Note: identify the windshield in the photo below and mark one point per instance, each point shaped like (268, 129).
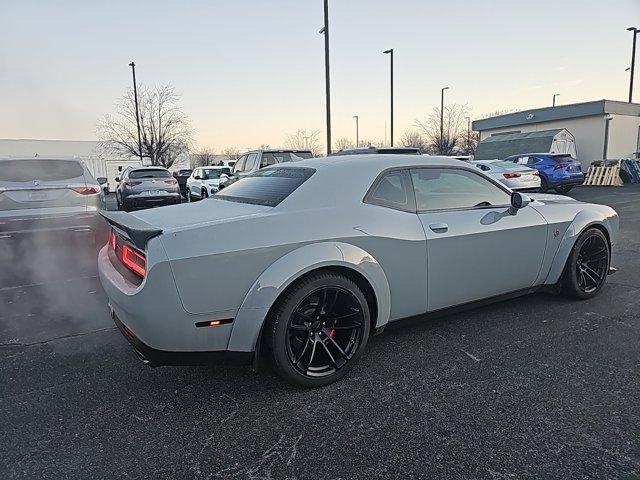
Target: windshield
(44, 170)
(150, 173)
(213, 173)
(271, 158)
(266, 187)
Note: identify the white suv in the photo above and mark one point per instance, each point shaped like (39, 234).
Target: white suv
(205, 181)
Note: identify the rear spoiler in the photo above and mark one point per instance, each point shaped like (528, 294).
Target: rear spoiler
(138, 231)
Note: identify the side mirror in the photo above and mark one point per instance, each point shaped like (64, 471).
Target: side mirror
(102, 180)
(197, 177)
(224, 177)
(117, 179)
(518, 201)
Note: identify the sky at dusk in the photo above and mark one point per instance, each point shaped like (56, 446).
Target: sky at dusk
(252, 72)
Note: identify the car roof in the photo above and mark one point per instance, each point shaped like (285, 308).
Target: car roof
(375, 162)
(148, 167)
(278, 150)
(213, 166)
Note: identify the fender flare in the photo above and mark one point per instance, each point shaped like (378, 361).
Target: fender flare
(583, 220)
(251, 315)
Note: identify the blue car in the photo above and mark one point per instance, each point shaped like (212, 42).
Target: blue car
(558, 171)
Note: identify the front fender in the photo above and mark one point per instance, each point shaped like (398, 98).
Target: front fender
(277, 277)
(602, 216)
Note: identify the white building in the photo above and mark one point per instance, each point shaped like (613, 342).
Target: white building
(603, 129)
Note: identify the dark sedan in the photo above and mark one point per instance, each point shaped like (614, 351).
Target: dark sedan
(143, 187)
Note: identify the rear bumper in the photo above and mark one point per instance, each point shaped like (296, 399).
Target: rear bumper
(156, 358)
(572, 180)
(69, 223)
(143, 201)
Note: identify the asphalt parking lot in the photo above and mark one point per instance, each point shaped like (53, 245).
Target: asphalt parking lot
(537, 387)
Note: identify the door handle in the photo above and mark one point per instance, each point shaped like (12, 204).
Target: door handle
(439, 227)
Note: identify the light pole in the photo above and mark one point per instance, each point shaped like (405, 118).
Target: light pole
(325, 30)
(554, 99)
(468, 133)
(635, 31)
(135, 98)
(442, 116)
(390, 51)
(357, 136)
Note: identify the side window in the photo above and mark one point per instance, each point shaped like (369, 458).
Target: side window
(239, 164)
(522, 160)
(533, 161)
(251, 162)
(392, 190)
(450, 189)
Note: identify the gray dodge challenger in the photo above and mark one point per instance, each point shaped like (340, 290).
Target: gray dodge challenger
(302, 262)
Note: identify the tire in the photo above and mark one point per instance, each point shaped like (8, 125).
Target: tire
(587, 266)
(563, 189)
(544, 186)
(118, 202)
(324, 354)
(204, 194)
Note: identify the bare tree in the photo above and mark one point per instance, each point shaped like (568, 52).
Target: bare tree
(232, 152)
(371, 143)
(453, 133)
(202, 158)
(412, 138)
(303, 140)
(165, 129)
(342, 144)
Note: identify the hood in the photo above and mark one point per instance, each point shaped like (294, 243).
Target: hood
(209, 210)
(547, 198)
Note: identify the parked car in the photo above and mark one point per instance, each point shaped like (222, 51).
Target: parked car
(304, 260)
(559, 171)
(59, 195)
(514, 176)
(205, 181)
(144, 187)
(181, 176)
(254, 160)
(378, 150)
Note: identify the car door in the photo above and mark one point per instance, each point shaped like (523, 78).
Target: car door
(191, 180)
(476, 248)
(249, 165)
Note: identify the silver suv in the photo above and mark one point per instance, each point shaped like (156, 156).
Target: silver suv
(49, 194)
(256, 159)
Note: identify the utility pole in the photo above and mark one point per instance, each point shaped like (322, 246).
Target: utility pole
(135, 98)
(442, 118)
(390, 51)
(357, 136)
(468, 134)
(635, 31)
(325, 31)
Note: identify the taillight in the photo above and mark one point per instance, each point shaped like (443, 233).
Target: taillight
(90, 190)
(558, 166)
(171, 181)
(129, 183)
(511, 175)
(134, 260)
(113, 240)
(536, 173)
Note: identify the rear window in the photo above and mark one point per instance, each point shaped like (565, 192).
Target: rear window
(266, 187)
(150, 173)
(563, 157)
(213, 173)
(44, 170)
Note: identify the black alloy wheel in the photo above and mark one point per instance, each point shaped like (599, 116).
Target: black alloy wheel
(324, 331)
(319, 329)
(588, 265)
